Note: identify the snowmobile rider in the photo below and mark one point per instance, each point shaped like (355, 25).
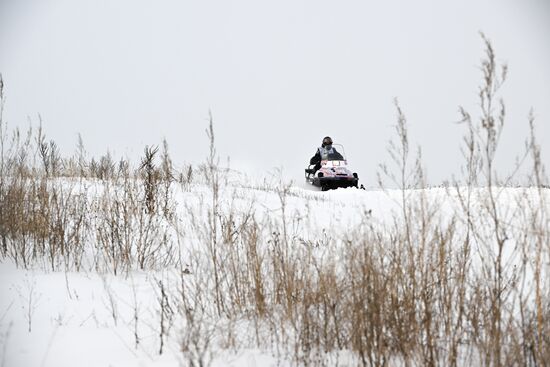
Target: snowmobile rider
(325, 152)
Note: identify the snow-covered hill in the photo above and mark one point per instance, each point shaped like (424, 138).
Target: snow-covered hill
(241, 273)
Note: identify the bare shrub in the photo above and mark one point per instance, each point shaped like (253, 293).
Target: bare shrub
(150, 178)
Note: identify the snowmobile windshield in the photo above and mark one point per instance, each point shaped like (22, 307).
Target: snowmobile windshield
(337, 153)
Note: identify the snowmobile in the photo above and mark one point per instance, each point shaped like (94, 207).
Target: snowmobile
(333, 174)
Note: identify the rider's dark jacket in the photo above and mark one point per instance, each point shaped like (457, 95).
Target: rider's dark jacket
(324, 153)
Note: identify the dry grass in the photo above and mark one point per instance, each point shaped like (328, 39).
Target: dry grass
(462, 286)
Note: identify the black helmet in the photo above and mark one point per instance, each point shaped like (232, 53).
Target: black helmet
(326, 141)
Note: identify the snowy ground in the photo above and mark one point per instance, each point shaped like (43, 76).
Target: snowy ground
(67, 318)
(88, 318)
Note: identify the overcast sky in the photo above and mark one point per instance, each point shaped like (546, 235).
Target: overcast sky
(277, 75)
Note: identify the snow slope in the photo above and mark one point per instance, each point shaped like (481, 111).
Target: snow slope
(95, 318)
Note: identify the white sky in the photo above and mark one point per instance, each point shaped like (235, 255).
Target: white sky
(277, 75)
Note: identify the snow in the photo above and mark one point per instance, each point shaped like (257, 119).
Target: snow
(91, 318)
